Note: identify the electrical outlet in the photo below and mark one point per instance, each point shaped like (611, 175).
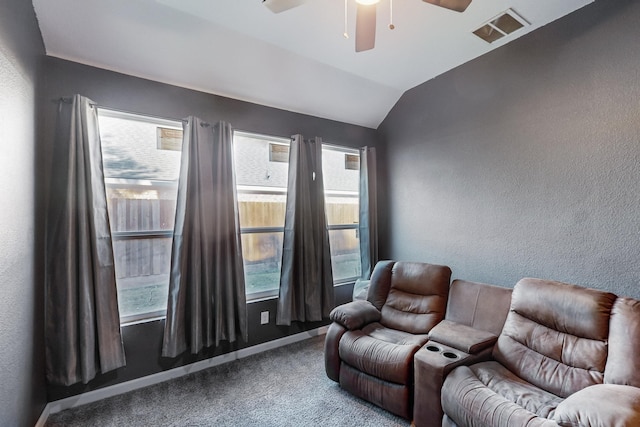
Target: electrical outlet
(264, 317)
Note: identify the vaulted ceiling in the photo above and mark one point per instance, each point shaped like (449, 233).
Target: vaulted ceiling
(297, 60)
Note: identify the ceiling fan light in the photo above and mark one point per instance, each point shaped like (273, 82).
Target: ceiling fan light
(367, 2)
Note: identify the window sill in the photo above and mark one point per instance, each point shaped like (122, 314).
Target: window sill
(257, 299)
(345, 283)
(144, 320)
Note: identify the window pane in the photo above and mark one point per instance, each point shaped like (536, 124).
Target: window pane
(341, 185)
(342, 210)
(252, 164)
(261, 165)
(345, 254)
(261, 210)
(141, 159)
(134, 207)
(142, 274)
(130, 148)
(336, 175)
(262, 254)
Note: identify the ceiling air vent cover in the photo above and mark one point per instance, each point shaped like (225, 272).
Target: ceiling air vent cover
(501, 26)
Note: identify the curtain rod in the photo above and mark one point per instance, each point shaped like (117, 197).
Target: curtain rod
(275, 138)
(135, 113)
(68, 100)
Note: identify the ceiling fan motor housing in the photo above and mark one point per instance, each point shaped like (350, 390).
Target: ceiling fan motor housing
(277, 6)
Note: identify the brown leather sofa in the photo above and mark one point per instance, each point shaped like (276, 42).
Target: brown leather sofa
(566, 356)
(370, 345)
(546, 354)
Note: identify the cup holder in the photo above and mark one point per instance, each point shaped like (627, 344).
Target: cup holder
(449, 354)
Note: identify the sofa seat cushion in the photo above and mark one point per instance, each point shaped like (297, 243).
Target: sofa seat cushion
(394, 336)
(489, 394)
(381, 358)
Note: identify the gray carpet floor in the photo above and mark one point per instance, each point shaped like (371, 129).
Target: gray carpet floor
(286, 386)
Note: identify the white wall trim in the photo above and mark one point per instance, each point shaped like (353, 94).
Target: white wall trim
(125, 387)
(44, 415)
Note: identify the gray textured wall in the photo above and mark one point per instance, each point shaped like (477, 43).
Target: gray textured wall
(22, 389)
(525, 162)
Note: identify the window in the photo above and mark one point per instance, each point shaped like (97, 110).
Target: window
(261, 179)
(341, 187)
(261, 164)
(141, 158)
(141, 166)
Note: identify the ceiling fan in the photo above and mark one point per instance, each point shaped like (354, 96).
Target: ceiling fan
(365, 16)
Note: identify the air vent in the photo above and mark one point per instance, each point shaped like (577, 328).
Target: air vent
(501, 26)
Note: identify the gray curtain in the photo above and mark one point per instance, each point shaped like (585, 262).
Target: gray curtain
(306, 280)
(82, 324)
(207, 301)
(368, 214)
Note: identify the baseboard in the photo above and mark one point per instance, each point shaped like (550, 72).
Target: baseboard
(116, 389)
(44, 415)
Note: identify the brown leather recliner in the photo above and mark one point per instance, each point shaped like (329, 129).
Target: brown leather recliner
(566, 356)
(370, 345)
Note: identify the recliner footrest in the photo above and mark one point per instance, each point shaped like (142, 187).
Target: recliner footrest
(394, 398)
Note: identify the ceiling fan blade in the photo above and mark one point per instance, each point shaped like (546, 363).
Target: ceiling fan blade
(277, 6)
(457, 5)
(365, 27)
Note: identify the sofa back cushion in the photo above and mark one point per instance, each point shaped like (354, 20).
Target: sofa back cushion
(555, 335)
(417, 295)
(478, 305)
(623, 363)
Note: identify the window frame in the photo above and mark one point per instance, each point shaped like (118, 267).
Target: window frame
(254, 189)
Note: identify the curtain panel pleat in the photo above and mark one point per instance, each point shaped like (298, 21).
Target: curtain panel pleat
(368, 211)
(207, 302)
(306, 280)
(82, 323)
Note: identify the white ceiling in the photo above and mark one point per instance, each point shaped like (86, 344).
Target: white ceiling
(297, 60)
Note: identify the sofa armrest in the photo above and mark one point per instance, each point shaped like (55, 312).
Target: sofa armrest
(462, 337)
(355, 314)
(602, 405)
